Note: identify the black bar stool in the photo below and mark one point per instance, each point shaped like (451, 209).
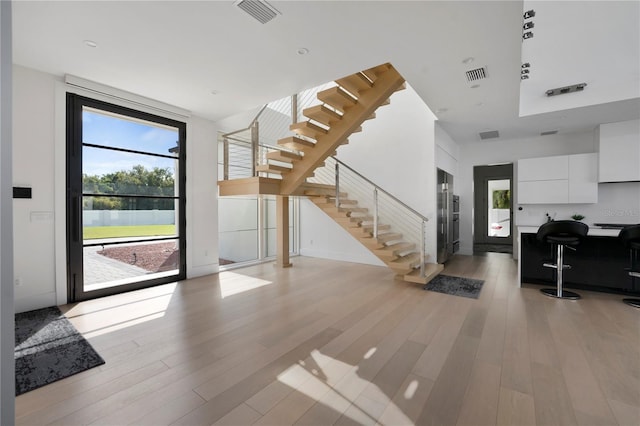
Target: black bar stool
(561, 233)
(630, 237)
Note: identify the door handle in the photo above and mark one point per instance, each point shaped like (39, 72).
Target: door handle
(75, 215)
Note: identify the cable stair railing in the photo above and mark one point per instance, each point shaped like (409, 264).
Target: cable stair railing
(390, 229)
(247, 152)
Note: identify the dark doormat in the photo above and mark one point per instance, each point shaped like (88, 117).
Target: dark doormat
(457, 286)
(49, 348)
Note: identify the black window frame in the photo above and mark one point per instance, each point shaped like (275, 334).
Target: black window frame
(74, 195)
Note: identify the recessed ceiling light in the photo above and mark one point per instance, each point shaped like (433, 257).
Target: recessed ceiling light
(303, 51)
(475, 86)
(91, 43)
(468, 60)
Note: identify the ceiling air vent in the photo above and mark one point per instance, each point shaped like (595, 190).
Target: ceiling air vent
(258, 9)
(549, 132)
(491, 134)
(476, 74)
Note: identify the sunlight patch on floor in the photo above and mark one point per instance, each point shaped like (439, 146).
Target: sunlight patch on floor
(232, 283)
(337, 385)
(120, 316)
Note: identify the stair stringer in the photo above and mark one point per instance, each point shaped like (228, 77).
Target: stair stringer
(348, 217)
(384, 85)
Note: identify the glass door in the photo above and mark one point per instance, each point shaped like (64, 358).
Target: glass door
(492, 208)
(125, 202)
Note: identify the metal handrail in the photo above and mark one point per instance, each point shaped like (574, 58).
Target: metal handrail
(387, 193)
(225, 135)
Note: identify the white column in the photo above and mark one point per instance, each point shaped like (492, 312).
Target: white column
(7, 381)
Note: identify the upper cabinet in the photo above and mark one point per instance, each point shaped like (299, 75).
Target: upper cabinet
(619, 151)
(583, 178)
(560, 179)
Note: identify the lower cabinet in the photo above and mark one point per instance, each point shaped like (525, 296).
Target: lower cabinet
(597, 264)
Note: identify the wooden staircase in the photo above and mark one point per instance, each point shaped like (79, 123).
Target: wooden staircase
(401, 256)
(343, 110)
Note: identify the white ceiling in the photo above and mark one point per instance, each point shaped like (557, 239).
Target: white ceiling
(178, 52)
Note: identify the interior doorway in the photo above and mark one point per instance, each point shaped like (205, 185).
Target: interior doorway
(493, 210)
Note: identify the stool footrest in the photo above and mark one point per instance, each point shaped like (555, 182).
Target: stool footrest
(555, 266)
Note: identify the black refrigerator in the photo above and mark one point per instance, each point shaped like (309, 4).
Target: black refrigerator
(448, 228)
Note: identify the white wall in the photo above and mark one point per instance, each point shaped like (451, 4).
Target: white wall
(619, 201)
(39, 113)
(202, 197)
(447, 153)
(33, 166)
(396, 151)
(7, 342)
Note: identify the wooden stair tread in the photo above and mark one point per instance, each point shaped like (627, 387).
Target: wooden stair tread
(354, 219)
(272, 168)
(381, 227)
(322, 114)
(369, 227)
(373, 73)
(410, 260)
(431, 270)
(355, 83)
(308, 129)
(284, 156)
(296, 143)
(390, 236)
(337, 98)
(320, 192)
(396, 248)
(345, 210)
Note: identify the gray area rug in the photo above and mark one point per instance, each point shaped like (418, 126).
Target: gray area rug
(457, 286)
(49, 348)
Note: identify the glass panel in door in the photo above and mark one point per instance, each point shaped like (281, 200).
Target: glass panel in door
(499, 208)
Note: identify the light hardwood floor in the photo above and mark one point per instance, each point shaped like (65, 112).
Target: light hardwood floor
(329, 342)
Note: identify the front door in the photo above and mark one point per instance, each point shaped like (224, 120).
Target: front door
(125, 199)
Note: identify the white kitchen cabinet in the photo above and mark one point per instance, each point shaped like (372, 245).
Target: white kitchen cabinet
(583, 178)
(544, 168)
(619, 156)
(560, 179)
(543, 191)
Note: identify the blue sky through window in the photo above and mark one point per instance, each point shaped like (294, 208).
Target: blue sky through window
(111, 131)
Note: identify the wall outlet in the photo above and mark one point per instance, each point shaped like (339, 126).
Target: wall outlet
(17, 281)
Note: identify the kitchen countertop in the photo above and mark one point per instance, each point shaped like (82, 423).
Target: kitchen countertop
(594, 231)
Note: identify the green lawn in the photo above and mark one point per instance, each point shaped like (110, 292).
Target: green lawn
(95, 232)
